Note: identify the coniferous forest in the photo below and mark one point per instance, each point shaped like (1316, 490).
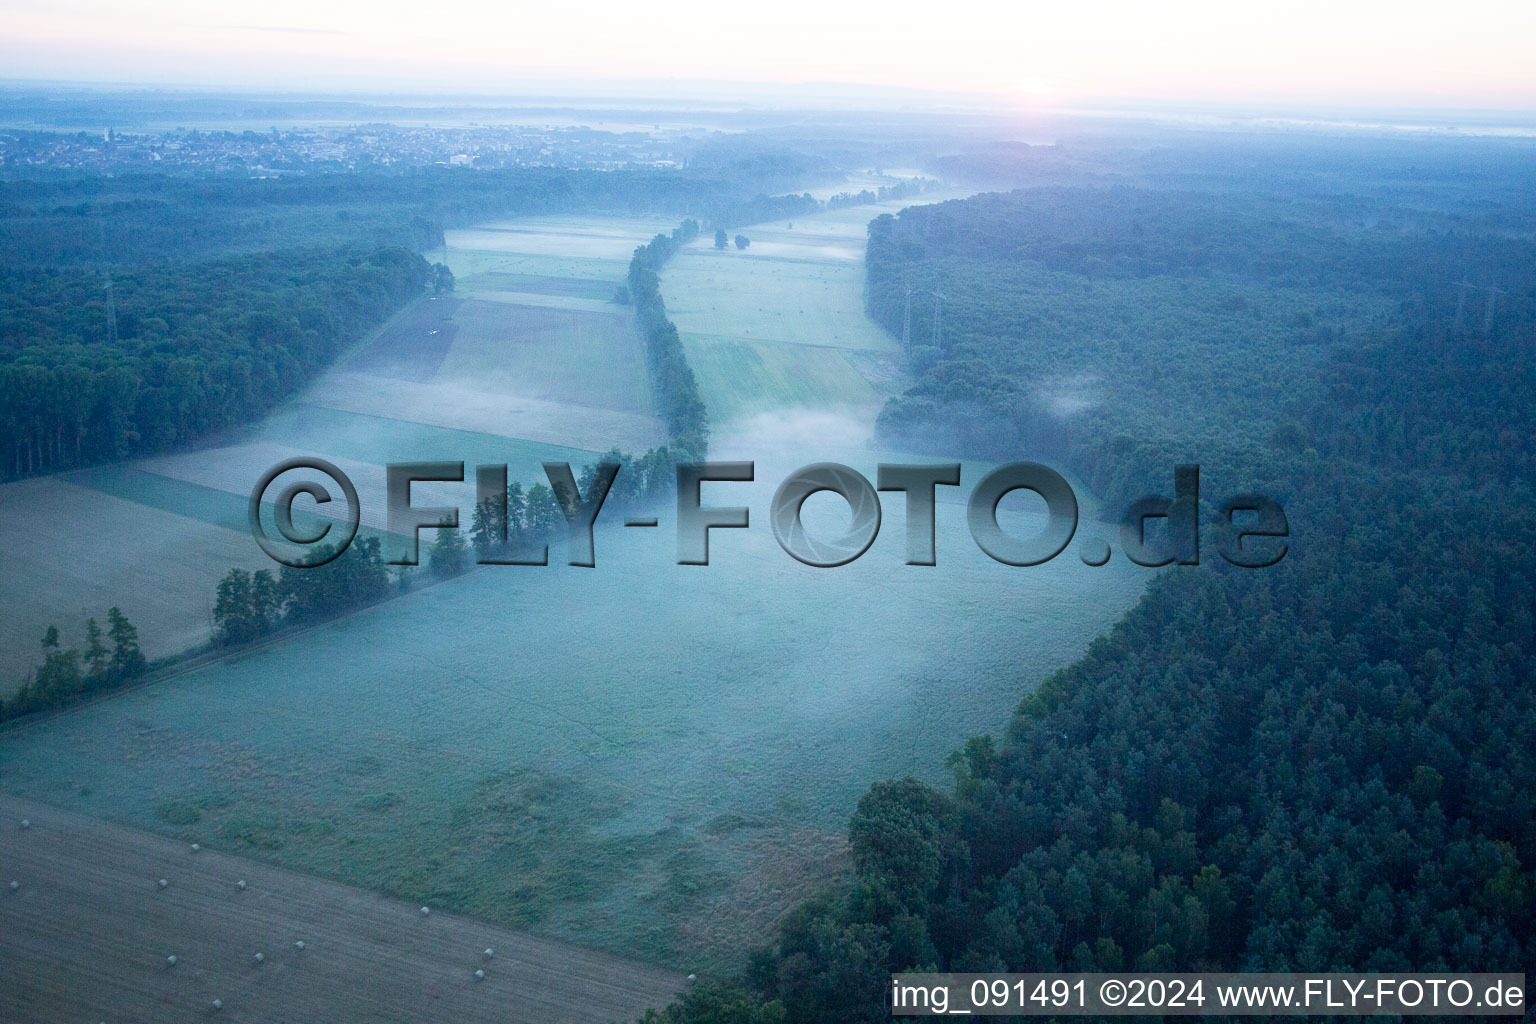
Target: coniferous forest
(174, 353)
(1322, 765)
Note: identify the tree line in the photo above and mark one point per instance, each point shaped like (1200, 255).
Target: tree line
(69, 674)
(884, 193)
(517, 524)
(672, 380)
(143, 219)
(94, 369)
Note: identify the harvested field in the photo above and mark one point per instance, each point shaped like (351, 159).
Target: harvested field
(583, 357)
(523, 420)
(87, 934)
(413, 344)
(539, 284)
(73, 552)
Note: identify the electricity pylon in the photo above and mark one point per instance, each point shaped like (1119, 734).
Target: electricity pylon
(906, 324)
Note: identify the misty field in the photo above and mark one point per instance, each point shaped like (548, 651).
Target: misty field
(742, 379)
(648, 758)
(456, 378)
(576, 356)
(780, 324)
(594, 237)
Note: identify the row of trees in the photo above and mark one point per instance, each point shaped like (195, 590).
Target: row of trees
(901, 190)
(523, 521)
(251, 605)
(672, 380)
(169, 355)
(761, 208)
(69, 674)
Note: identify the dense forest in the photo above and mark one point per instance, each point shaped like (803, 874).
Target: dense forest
(169, 354)
(143, 218)
(1322, 765)
(1122, 330)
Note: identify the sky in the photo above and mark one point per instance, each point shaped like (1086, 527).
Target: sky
(1379, 54)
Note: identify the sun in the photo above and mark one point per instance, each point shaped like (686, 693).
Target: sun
(1035, 87)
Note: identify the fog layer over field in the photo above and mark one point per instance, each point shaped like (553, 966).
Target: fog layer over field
(642, 757)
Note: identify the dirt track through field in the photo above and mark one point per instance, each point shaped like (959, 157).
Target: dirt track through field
(86, 935)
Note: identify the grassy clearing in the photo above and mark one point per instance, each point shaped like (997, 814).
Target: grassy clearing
(494, 281)
(474, 268)
(780, 326)
(743, 379)
(542, 748)
(727, 293)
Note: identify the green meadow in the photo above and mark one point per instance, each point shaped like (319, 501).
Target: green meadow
(651, 758)
(644, 757)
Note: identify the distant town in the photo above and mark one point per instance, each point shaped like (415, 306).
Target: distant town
(281, 151)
